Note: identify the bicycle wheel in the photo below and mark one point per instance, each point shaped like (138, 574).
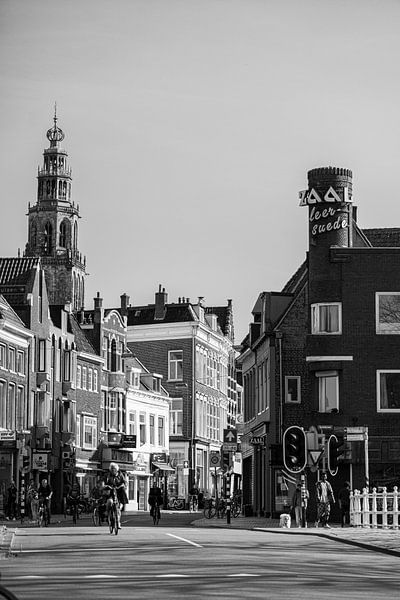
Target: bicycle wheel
(115, 510)
(210, 511)
(179, 504)
(96, 516)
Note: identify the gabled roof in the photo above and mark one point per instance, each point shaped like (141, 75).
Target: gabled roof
(81, 340)
(175, 313)
(383, 237)
(17, 277)
(9, 314)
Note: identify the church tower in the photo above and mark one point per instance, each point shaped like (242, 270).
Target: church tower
(53, 226)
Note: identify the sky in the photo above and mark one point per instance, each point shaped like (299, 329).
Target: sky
(190, 126)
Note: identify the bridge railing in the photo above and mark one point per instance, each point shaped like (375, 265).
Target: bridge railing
(376, 509)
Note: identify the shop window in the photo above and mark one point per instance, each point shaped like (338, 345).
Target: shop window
(388, 391)
(328, 391)
(292, 389)
(326, 318)
(388, 312)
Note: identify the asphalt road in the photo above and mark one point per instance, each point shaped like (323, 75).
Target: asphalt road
(171, 562)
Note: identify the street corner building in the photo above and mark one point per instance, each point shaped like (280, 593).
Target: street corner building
(323, 354)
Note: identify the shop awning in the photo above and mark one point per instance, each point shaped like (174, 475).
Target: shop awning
(162, 466)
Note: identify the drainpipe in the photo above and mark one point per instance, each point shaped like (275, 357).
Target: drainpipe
(280, 430)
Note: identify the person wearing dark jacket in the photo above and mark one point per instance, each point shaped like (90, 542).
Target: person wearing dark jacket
(344, 503)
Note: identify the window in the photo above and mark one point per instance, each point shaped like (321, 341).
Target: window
(152, 429)
(132, 423)
(21, 409)
(20, 362)
(3, 404)
(10, 416)
(113, 411)
(175, 365)
(161, 431)
(292, 389)
(78, 431)
(142, 428)
(95, 384)
(326, 318)
(42, 355)
(78, 377)
(67, 365)
(388, 391)
(11, 359)
(84, 378)
(89, 433)
(175, 416)
(90, 380)
(328, 391)
(388, 312)
(3, 356)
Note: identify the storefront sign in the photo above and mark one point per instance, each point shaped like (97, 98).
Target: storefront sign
(40, 461)
(8, 435)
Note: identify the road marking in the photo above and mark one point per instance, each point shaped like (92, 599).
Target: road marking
(184, 540)
(171, 575)
(243, 575)
(100, 576)
(91, 550)
(31, 577)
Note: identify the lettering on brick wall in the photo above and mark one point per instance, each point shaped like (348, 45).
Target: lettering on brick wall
(327, 219)
(310, 197)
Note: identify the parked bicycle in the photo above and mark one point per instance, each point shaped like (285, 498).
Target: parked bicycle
(236, 505)
(175, 503)
(74, 508)
(214, 507)
(193, 502)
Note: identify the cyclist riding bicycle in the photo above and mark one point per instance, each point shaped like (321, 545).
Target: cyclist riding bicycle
(45, 493)
(73, 494)
(115, 480)
(155, 498)
(100, 494)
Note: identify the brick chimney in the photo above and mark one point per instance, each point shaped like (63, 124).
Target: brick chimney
(124, 304)
(161, 299)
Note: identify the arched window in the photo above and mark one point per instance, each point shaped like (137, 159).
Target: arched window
(63, 234)
(48, 234)
(33, 235)
(113, 356)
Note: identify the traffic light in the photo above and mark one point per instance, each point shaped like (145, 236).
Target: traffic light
(294, 449)
(336, 448)
(226, 462)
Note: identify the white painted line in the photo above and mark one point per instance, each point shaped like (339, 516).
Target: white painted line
(91, 550)
(100, 576)
(31, 577)
(185, 540)
(243, 575)
(170, 575)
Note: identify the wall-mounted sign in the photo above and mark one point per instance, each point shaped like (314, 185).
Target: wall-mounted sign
(328, 219)
(8, 435)
(310, 197)
(40, 461)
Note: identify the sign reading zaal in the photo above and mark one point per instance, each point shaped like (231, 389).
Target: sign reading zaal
(40, 461)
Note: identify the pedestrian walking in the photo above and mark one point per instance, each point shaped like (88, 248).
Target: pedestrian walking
(12, 494)
(325, 498)
(299, 503)
(344, 503)
(32, 497)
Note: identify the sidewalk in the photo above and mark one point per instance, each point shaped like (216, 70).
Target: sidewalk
(380, 540)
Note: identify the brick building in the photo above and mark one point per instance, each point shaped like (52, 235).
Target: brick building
(191, 346)
(323, 352)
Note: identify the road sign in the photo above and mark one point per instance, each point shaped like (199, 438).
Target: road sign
(230, 436)
(229, 447)
(215, 459)
(315, 456)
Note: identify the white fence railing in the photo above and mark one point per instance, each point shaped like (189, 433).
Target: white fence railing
(375, 509)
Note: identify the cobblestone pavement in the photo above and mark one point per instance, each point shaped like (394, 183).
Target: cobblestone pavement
(381, 540)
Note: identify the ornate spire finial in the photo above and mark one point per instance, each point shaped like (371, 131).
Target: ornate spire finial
(55, 134)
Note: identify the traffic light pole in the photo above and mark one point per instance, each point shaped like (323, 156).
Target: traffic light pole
(228, 494)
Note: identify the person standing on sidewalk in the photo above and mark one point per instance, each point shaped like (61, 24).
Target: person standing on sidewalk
(324, 499)
(298, 503)
(344, 503)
